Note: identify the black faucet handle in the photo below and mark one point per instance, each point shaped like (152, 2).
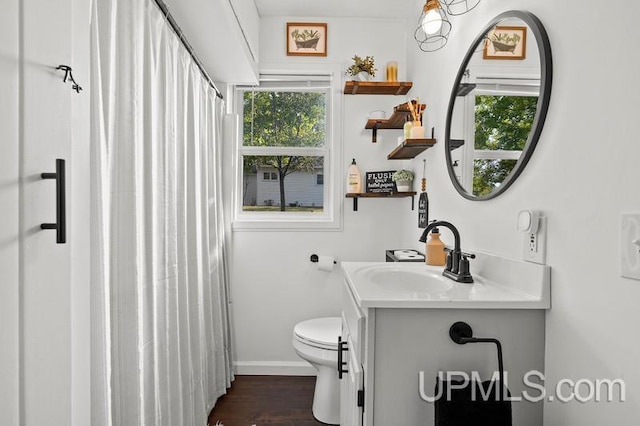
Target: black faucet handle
(468, 255)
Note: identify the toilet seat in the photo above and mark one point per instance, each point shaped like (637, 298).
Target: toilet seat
(319, 333)
(316, 341)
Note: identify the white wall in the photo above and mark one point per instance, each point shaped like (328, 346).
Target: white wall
(583, 174)
(274, 285)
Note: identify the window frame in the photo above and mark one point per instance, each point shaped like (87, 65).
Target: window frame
(330, 218)
(270, 176)
(469, 152)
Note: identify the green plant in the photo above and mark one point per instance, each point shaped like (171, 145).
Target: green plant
(402, 176)
(367, 65)
(304, 35)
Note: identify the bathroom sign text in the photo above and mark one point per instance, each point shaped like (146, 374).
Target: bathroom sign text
(380, 182)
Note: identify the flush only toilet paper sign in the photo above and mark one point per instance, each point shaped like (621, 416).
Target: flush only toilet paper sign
(380, 182)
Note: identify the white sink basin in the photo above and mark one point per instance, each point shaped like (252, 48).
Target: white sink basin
(405, 279)
(499, 284)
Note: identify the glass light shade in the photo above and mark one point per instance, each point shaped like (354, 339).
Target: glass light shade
(432, 22)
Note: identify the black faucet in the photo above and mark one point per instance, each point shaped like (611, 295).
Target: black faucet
(457, 267)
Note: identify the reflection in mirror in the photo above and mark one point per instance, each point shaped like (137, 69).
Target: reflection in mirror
(498, 105)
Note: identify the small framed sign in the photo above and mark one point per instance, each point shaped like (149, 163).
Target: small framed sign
(306, 39)
(506, 43)
(380, 182)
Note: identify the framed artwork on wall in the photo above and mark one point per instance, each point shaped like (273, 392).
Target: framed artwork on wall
(506, 43)
(306, 39)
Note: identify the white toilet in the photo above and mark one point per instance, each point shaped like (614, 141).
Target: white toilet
(316, 341)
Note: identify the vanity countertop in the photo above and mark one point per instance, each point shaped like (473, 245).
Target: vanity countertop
(499, 284)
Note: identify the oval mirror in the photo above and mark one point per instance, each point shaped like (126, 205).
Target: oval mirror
(498, 105)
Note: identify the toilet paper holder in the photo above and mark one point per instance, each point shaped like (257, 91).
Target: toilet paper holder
(314, 259)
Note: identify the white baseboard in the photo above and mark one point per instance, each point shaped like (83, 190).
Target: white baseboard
(274, 368)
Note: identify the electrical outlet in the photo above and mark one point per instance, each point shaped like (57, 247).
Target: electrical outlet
(630, 246)
(534, 245)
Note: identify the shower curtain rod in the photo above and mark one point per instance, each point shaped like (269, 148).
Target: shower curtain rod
(176, 29)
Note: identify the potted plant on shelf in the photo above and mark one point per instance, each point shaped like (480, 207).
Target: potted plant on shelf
(362, 69)
(403, 180)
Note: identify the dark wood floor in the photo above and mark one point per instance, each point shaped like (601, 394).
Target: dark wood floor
(266, 400)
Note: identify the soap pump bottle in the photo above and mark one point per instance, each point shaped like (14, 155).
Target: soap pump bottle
(435, 253)
(354, 178)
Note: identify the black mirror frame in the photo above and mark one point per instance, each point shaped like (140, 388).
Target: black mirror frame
(546, 76)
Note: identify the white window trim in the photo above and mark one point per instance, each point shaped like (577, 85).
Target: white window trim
(331, 218)
(487, 154)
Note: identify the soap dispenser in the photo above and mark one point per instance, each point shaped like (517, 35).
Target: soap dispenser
(354, 179)
(435, 254)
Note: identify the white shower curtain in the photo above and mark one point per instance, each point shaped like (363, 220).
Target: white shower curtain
(160, 320)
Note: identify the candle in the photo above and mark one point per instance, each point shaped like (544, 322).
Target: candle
(392, 71)
(417, 131)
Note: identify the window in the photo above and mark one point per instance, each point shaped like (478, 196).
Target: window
(492, 125)
(270, 176)
(284, 152)
(502, 126)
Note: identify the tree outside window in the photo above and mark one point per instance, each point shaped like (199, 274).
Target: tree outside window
(502, 123)
(282, 130)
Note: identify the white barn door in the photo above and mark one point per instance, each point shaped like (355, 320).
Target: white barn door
(36, 342)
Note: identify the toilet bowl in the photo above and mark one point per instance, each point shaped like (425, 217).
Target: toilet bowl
(316, 341)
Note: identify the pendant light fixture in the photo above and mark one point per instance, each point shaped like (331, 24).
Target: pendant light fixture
(460, 7)
(434, 25)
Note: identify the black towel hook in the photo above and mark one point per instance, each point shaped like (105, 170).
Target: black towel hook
(462, 333)
(68, 75)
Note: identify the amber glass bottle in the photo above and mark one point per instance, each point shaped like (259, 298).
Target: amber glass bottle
(435, 254)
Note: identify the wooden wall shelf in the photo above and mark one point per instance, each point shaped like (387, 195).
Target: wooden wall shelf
(410, 148)
(377, 87)
(355, 196)
(395, 121)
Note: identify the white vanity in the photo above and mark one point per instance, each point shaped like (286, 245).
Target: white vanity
(395, 324)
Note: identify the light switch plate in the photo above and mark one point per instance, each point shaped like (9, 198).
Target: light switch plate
(630, 252)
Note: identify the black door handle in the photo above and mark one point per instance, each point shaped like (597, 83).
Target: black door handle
(61, 214)
(342, 347)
